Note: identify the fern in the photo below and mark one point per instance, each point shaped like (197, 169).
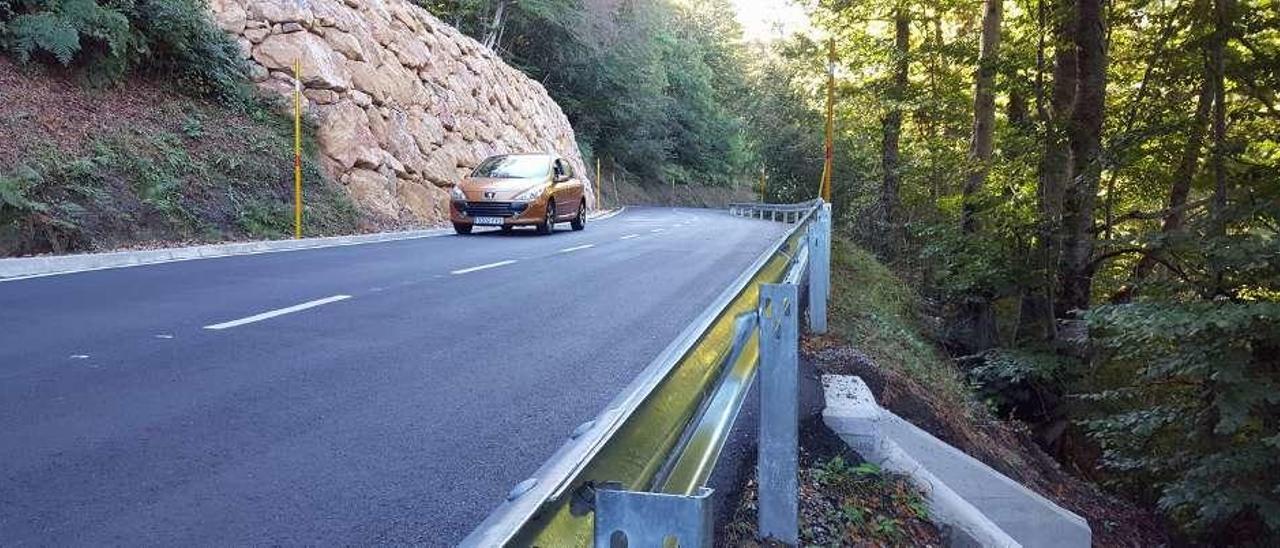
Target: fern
(31, 33)
(107, 38)
(104, 25)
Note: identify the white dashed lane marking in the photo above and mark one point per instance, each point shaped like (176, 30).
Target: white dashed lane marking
(577, 248)
(278, 312)
(482, 267)
(629, 236)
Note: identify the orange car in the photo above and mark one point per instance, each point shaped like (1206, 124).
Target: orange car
(513, 190)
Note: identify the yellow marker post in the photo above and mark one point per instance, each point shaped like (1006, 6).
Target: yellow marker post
(825, 190)
(599, 186)
(297, 149)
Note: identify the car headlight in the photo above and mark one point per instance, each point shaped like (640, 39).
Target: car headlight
(457, 194)
(531, 194)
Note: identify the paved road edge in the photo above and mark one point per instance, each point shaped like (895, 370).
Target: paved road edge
(22, 268)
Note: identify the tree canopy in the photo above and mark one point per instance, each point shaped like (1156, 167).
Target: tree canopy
(649, 86)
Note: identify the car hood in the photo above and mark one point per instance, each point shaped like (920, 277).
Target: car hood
(475, 188)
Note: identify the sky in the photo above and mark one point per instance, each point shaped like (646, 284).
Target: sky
(761, 18)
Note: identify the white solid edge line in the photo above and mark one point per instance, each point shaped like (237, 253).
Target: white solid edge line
(278, 312)
(482, 267)
(223, 250)
(629, 236)
(576, 248)
(607, 215)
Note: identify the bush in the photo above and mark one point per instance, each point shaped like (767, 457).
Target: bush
(1025, 383)
(1198, 425)
(105, 39)
(34, 218)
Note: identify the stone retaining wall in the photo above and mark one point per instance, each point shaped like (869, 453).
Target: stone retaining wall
(406, 104)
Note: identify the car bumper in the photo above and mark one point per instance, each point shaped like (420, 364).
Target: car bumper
(512, 213)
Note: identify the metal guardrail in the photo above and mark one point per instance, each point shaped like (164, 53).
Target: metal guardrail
(787, 213)
(649, 454)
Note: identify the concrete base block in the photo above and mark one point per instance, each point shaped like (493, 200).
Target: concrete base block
(975, 505)
(851, 410)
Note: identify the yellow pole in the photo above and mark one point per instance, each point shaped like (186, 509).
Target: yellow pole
(297, 149)
(599, 186)
(831, 99)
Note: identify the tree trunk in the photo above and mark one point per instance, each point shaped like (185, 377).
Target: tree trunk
(495, 26)
(1179, 187)
(1085, 138)
(1217, 156)
(1016, 111)
(1055, 171)
(984, 112)
(892, 123)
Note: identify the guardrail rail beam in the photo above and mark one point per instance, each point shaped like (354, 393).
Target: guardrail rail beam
(651, 450)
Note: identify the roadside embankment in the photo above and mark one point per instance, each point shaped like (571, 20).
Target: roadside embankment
(877, 334)
(140, 165)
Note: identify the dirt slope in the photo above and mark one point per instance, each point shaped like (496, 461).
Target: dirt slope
(88, 169)
(877, 334)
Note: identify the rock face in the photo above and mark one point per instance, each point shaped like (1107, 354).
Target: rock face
(406, 104)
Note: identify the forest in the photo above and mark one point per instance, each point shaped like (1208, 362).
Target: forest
(1085, 193)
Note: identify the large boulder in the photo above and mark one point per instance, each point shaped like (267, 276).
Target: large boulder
(372, 190)
(345, 137)
(321, 66)
(426, 203)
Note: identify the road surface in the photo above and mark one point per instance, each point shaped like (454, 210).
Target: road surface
(369, 394)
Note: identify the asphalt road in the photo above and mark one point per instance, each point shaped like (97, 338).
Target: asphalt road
(369, 394)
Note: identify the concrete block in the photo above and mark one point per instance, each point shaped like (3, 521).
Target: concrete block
(977, 505)
(851, 410)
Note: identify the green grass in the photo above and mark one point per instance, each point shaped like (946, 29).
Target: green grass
(197, 171)
(878, 313)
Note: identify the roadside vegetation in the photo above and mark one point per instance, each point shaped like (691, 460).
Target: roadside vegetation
(653, 89)
(105, 41)
(131, 124)
(843, 501)
(1086, 198)
(885, 332)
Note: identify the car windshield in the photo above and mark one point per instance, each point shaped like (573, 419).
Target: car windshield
(513, 167)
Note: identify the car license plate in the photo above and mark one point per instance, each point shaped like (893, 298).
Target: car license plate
(488, 220)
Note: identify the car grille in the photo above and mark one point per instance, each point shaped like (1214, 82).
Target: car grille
(494, 209)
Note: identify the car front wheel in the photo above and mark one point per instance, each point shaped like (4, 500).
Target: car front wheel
(579, 221)
(548, 223)
(461, 228)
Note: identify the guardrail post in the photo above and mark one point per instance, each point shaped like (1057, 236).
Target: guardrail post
(777, 462)
(819, 269)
